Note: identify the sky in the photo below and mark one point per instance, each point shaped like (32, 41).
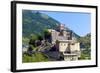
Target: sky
(80, 23)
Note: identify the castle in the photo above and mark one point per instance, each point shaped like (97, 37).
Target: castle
(66, 43)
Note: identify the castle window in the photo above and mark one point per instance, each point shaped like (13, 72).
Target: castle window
(73, 44)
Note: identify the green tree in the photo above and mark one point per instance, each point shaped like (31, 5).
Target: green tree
(40, 37)
(47, 34)
(25, 40)
(36, 57)
(86, 44)
(33, 39)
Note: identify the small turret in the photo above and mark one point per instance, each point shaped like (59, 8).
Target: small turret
(61, 27)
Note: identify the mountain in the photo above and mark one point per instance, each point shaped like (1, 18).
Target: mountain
(35, 22)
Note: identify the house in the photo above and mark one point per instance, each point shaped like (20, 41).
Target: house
(70, 49)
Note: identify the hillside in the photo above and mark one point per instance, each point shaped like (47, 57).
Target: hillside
(85, 45)
(85, 41)
(35, 22)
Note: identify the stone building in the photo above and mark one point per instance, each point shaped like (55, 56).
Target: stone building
(67, 44)
(61, 33)
(70, 49)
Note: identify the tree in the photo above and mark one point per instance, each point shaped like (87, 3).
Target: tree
(39, 37)
(47, 34)
(33, 39)
(85, 42)
(25, 40)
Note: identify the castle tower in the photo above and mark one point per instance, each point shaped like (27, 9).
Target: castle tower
(61, 27)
